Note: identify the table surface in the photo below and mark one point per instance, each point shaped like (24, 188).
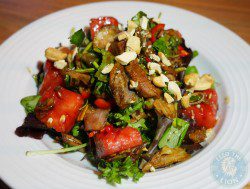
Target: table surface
(234, 14)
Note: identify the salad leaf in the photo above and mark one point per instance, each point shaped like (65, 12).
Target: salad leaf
(107, 58)
(77, 38)
(138, 16)
(175, 134)
(29, 103)
(114, 171)
(191, 69)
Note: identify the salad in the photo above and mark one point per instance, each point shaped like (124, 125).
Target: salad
(124, 97)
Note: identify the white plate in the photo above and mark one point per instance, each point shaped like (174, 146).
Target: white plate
(222, 53)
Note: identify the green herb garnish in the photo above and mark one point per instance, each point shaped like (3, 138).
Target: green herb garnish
(29, 103)
(77, 38)
(116, 170)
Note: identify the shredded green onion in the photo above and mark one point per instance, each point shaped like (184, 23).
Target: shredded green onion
(87, 70)
(87, 47)
(57, 151)
(95, 64)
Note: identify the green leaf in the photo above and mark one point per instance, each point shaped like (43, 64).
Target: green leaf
(29, 103)
(191, 69)
(175, 134)
(107, 58)
(195, 53)
(138, 16)
(77, 38)
(116, 170)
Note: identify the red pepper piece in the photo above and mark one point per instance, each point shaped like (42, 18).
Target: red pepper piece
(155, 30)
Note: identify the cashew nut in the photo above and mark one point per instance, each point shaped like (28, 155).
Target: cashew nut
(54, 54)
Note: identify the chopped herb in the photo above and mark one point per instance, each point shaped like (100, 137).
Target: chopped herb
(107, 58)
(122, 118)
(167, 45)
(87, 70)
(114, 171)
(140, 125)
(101, 88)
(29, 103)
(75, 130)
(77, 38)
(195, 53)
(88, 47)
(138, 16)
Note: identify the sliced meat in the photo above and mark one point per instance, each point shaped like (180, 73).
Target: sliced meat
(95, 118)
(165, 157)
(198, 136)
(117, 47)
(106, 35)
(85, 78)
(145, 87)
(116, 140)
(119, 87)
(164, 108)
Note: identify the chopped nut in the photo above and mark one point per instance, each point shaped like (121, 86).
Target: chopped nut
(133, 84)
(151, 72)
(154, 66)
(133, 44)
(107, 68)
(185, 101)
(164, 78)
(120, 26)
(131, 25)
(126, 57)
(164, 59)
(152, 169)
(50, 120)
(174, 88)
(158, 81)
(204, 82)
(191, 79)
(168, 98)
(144, 22)
(107, 46)
(123, 35)
(155, 57)
(62, 118)
(60, 64)
(54, 54)
(131, 32)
